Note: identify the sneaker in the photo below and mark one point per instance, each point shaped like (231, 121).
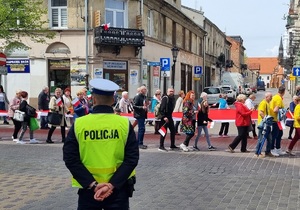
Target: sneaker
(184, 147)
(212, 148)
(5, 123)
(12, 137)
(280, 152)
(269, 155)
(230, 149)
(162, 149)
(15, 140)
(196, 148)
(33, 141)
(220, 136)
(274, 153)
(225, 136)
(141, 146)
(20, 142)
(289, 152)
(174, 147)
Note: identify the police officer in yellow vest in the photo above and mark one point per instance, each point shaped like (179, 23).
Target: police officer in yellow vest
(101, 152)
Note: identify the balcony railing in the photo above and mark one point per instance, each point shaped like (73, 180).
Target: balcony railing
(119, 37)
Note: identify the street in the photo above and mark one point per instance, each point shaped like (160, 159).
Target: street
(34, 177)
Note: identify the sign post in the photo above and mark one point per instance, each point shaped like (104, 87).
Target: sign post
(165, 64)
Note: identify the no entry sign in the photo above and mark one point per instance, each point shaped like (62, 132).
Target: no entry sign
(2, 59)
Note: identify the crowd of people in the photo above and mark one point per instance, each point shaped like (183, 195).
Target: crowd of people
(194, 117)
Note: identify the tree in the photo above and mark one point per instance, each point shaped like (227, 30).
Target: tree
(23, 18)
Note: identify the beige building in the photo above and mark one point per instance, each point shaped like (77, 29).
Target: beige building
(128, 52)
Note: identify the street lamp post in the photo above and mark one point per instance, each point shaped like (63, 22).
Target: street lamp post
(175, 51)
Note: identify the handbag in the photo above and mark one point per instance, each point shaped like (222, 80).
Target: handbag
(250, 128)
(30, 111)
(19, 116)
(33, 124)
(54, 118)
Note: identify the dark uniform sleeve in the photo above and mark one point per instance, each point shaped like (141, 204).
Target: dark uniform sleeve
(72, 160)
(131, 158)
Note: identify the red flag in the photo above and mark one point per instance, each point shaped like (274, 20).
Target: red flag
(76, 102)
(89, 96)
(106, 26)
(58, 101)
(162, 131)
(210, 124)
(281, 125)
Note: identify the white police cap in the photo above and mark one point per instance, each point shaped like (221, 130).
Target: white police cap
(103, 86)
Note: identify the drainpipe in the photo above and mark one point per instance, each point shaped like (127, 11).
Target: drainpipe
(86, 44)
(141, 51)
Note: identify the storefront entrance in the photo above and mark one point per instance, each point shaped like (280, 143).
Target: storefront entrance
(59, 74)
(120, 77)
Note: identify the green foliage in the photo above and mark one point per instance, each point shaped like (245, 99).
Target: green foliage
(23, 18)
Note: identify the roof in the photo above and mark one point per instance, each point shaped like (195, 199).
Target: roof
(265, 65)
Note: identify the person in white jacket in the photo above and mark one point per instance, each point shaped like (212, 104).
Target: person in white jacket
(178, 108)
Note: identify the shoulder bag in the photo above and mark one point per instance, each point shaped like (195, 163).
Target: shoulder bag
(54, 118)
(19, 116)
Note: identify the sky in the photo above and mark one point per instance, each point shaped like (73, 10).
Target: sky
(259, 22)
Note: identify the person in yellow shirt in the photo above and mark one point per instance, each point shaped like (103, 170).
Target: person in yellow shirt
(264, 110)
(276, 104)
(296, 126)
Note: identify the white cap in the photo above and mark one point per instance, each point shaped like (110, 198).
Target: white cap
(103, 86)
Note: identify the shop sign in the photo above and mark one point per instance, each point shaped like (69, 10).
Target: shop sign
(115, 65)
(18, 65)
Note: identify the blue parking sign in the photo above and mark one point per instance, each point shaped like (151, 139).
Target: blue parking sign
(165, 64)
(198, 70)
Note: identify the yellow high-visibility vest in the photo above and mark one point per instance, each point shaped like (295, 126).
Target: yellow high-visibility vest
(102, 139)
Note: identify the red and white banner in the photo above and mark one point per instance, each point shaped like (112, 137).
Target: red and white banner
(210, 124)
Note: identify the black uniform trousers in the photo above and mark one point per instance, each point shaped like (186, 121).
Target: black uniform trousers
(118, 200)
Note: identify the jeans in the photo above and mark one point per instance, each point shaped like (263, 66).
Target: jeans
(242, 136)
(171, 127)
(24, 128)
(276, 136)
(224, 127)
(260, 141)
(141, 130)
(204, 127)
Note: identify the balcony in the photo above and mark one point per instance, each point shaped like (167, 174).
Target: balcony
(119, 37)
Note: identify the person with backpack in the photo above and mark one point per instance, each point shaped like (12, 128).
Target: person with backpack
(166, 110)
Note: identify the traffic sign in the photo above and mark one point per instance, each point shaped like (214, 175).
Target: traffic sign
(2, 59)
(165, 64)
(296, 71)
(292, 78)
(198, 70)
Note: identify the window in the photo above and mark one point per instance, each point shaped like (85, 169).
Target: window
(115, 13)
(268, 78)
(59, 14)
(150, 23)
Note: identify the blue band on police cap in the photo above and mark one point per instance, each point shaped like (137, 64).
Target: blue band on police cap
(101, 92)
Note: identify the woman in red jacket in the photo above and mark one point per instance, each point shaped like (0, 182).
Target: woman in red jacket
(242, 122)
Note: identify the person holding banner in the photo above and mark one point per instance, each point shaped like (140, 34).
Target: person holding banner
(57, 105)
(203, 122)
(290, 123)
(188, 119)
(242, 122)
(224, 125)
(296, 126)
(275, 105)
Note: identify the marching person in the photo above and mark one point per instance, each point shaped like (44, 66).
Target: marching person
(43, 105)
(3, 102)
(81, 107)
(26, 122)
(67, 98)
(60, 108)
(166, 109)
(249, 103)
(178, 108)
(156, 100)
(188, 121)
(242, 122)
(290, 123)
(224, 125)
(14, 105)
(101, 152)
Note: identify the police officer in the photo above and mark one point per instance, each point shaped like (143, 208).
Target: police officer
(101, 152)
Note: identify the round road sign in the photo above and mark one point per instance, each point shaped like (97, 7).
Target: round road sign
(2, 59)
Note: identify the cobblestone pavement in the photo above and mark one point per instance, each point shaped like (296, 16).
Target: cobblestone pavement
(34, 177)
